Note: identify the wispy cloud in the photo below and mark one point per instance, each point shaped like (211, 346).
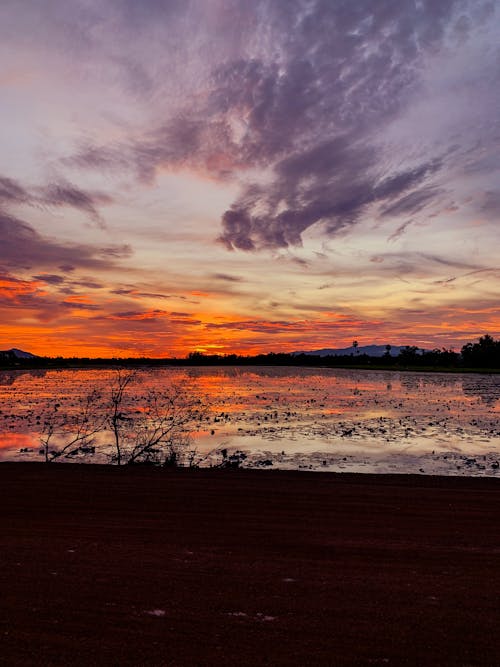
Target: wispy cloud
(54, 195)
(23, 247)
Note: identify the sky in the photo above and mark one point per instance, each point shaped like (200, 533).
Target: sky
(228, 176)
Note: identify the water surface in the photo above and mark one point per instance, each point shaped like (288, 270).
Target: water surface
(321, 419)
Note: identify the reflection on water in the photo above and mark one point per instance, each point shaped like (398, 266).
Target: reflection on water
(481, 386)
(10, 376)
(332, 419)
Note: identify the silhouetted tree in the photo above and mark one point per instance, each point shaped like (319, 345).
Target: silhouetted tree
(116, 416)
(409, 355)
(153, 427)
(484, 354)
(66, 433)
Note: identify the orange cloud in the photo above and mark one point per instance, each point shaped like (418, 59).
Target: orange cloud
(12, 289)
(76, 298)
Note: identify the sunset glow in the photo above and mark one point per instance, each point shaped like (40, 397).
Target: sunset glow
(242, 177)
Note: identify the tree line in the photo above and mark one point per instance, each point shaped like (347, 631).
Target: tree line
(485, 354)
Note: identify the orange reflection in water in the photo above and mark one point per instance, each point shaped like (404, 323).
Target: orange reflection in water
(15, 440)
(290, 407)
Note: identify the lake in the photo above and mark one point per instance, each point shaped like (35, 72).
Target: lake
(290, 418)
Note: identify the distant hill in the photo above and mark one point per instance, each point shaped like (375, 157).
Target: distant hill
(17, 354)
(370, 350)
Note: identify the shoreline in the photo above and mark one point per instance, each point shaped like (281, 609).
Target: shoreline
(135, 565)
(447, 464)
(130, 363)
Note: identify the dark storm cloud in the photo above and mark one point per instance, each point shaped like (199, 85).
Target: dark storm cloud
(24, 247)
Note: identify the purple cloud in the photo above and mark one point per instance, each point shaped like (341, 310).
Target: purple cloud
(302, 92)
(24, 247)
(56, 195)
(51, 279)
(65, 194)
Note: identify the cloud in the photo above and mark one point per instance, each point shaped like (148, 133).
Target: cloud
(75, 305)
(153, 316)
(121, 251)
(31, 296)
(290, 100)
(138, 314)
(89, 284)
(11, 192)
(52, 279)
(15, 291)
(58, 194)
(135, 293)
(334, 183)
(314, 114)
(102, 158)
(413, 202)
(394, 185)
(347, 88)
(491, 203)
(24, 247)
(226, 277)
(329, 323)
(65, 194)
(396, 235)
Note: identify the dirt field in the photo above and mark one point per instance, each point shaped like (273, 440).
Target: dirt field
(139, 566)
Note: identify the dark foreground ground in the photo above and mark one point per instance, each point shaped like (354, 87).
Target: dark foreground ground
(108, 566)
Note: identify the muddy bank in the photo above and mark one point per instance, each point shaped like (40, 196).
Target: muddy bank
(108, 566)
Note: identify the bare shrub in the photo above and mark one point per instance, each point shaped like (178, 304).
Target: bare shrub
(67, 434)
(155, 426)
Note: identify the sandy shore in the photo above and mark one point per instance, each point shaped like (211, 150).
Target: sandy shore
(108, 566)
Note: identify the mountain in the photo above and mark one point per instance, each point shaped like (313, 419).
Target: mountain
(370, 350)
(18, 354)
